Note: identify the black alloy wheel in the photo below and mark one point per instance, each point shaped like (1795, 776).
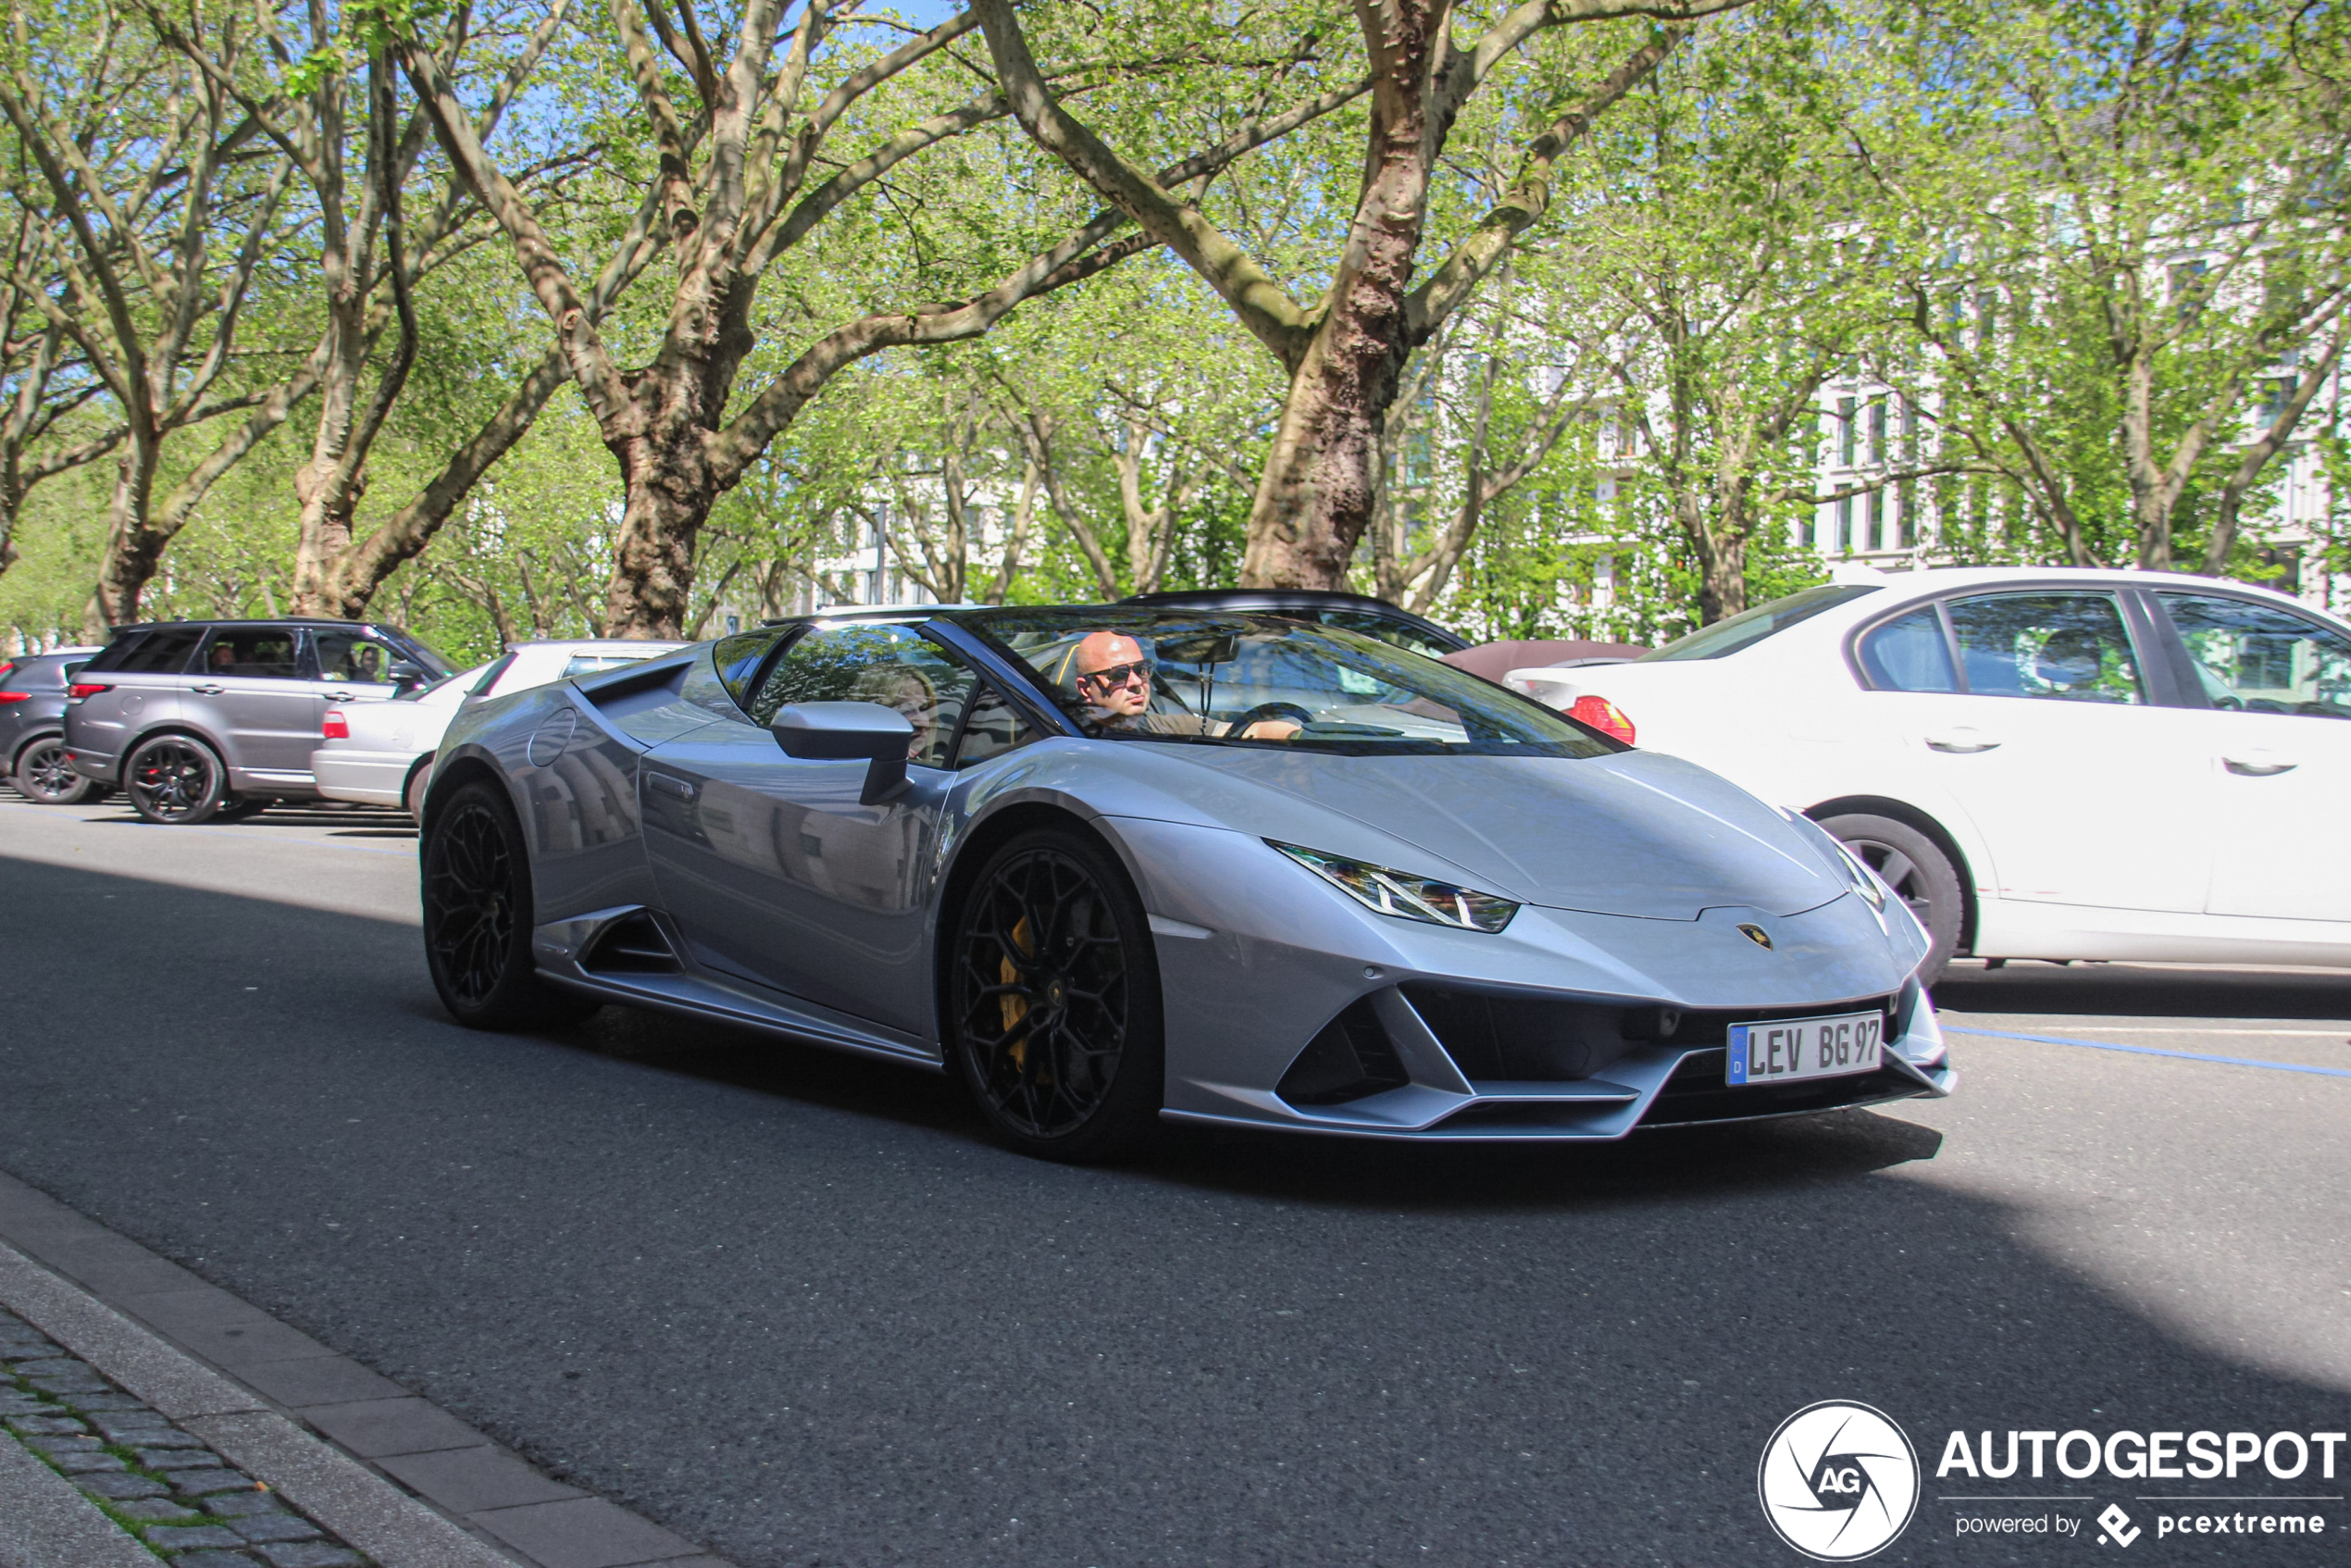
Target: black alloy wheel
(176, 780)
(1916, 868)
(43, 774)
(1052, 1007)
(478, 913)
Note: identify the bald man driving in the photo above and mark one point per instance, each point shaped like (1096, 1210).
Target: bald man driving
(1114, 678)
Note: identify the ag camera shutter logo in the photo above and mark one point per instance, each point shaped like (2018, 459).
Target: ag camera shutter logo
(1838, 1481)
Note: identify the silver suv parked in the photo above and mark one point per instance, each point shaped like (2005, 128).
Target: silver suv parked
(209, 719)
(32, 709)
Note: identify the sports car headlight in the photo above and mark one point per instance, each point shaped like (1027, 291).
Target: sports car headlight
(1404, 895)
(1857, 870)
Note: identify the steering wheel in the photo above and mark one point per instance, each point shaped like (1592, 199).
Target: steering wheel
(1290, 711)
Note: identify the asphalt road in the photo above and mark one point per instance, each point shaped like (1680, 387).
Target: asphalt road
(797, 1307)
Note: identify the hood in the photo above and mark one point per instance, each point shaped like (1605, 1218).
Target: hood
(1636, 834)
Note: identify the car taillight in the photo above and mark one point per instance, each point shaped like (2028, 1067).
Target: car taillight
(334, 727)
(1604, 716)
(16, 696)
(87, 687)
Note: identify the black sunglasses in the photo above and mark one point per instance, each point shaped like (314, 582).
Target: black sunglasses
(1119, 674)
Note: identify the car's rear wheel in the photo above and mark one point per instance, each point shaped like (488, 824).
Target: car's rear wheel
(43, 774)
(1916, 868)
(174, 780)
(477, 915)
(1052, 1004)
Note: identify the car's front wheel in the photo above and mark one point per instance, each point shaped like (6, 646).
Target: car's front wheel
(477, 917)
(1052, 1004)
(174, 780)
(43, 774)
(1916, 868)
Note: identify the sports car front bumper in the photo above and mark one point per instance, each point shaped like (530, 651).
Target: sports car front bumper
(1297, 1009)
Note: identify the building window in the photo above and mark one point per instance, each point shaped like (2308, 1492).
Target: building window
(1876, 533)
(1840, 542)
(1845, 432)
(1877, 431)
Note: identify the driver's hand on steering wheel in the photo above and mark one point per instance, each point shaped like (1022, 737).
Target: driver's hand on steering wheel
(1268, 729)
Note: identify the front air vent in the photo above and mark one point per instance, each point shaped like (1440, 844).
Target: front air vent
(1352, 1059)
(633, 945)
(1495, 1035)
(1492, 1037)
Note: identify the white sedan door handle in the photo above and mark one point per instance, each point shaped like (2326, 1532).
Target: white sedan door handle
(2259, 765)
(1962, 740)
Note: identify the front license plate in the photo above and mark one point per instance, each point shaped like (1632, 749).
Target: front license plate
(1789, 1048)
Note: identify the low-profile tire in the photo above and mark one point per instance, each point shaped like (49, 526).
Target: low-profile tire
(43, 776)
(1052, 1007)
(174, 780)
(419, 782)
(1917, 869)
(477, 909)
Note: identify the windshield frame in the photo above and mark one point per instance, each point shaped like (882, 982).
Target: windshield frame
(1579, 741)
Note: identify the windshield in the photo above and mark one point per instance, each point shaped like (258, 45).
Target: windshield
(1749, 628)
(1239, 678)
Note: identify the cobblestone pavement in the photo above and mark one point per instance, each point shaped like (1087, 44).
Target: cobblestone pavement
(160, 1483)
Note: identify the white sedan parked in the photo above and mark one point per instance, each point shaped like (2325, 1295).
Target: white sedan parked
(380, 754)
(2044, 762)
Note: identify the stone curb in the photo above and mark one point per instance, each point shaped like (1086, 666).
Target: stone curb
(396, 1476)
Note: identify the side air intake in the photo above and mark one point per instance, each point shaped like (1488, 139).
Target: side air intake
(632, 945)
(1352, 1059)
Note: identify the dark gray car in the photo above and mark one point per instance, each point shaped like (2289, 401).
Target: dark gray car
(198, 719)
(33, 726)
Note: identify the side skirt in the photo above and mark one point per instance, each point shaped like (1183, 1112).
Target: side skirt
(559, 946)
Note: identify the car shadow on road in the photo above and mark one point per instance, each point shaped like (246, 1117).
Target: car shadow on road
(2142, 991)
(1698, 1163)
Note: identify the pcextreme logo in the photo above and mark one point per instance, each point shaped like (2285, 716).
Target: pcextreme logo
(1838, 1481)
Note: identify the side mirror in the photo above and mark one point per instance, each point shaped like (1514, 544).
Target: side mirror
(404, 674)
(849, 732)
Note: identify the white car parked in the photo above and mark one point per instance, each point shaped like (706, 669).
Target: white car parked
(2044, 762)
(380, 754)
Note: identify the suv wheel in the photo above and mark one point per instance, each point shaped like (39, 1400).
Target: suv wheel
(174, 780)
(43, 774)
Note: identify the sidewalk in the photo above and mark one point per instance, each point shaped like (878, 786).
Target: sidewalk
(230, 1440)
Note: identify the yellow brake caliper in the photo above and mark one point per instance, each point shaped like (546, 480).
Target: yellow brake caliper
(1015, 1008)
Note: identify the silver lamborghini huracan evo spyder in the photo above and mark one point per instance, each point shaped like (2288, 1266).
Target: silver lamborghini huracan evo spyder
(1115, 864)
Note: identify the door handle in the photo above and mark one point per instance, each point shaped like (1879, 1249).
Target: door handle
(207, 689)
(339, 696)
(678, 788)
(2259, 765)
(1961, 740)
